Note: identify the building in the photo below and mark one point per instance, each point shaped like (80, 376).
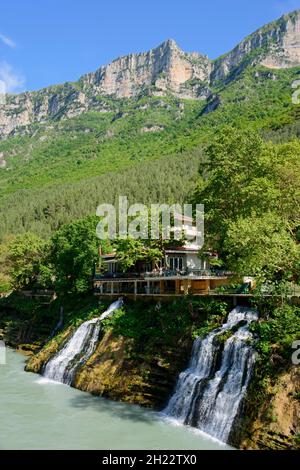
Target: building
(179, 272)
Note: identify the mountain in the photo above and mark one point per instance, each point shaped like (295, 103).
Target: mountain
(159, 71)
(165, 69)
(275, 46)
(137, 126)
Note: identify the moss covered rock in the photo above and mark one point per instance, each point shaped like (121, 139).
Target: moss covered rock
(37, 361)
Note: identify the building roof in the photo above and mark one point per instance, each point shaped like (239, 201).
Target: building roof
(182, 249)
(108, 255)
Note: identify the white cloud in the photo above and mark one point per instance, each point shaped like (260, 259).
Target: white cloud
(7, 41)
(10, 80)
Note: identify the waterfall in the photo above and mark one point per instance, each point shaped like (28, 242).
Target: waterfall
(79, 348)
(209, 393)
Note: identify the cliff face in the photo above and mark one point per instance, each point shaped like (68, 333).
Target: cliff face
(165, 69)
(276, 45)
(277, 423)
(117, 371)
(20, 111)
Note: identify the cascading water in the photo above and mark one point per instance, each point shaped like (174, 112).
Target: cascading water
(64, 365)
(210, 392)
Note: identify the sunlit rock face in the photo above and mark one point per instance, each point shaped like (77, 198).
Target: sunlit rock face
(287, 52)
(166, 68)
(276, 45)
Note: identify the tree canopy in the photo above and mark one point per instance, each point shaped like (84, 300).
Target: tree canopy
(74, 250)
(250, 191)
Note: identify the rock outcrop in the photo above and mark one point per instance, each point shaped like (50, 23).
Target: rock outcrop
(166, 68)
(276, 45)
(277, 424)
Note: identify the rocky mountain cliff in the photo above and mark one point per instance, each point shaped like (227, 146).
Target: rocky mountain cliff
(276, 45)
(166, 69)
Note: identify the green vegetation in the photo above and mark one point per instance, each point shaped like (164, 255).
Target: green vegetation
(74, 250)
(184, 317)
(130, 251)
(63, 169)
(96, 143)
(24, 258)
(251, 195)
(64, 263)
(43, 211)
(277, 330)
(28, 322)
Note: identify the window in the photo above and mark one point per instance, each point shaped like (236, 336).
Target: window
(175, 263)
(111, 267)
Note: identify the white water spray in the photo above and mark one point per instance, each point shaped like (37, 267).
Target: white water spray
(64, 365)
(210, 392)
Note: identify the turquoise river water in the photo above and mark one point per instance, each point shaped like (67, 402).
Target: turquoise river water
(36, 413)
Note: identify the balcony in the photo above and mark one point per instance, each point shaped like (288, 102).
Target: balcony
(165, 273)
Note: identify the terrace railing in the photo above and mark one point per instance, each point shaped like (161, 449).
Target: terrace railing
(163, 273)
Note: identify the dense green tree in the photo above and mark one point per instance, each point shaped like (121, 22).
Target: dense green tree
(25, 261)
(286, 167)
(167, 180)
(129, 251)
(74, 250)
(235, 180)
(5, 278)
(262, 247)
(251, 195)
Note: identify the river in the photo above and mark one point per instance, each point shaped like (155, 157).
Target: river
(36, 413)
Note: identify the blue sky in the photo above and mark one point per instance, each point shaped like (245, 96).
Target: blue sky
(51, 41)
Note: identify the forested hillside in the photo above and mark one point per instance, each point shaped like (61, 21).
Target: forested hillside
(63, 169)
(140, 127)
